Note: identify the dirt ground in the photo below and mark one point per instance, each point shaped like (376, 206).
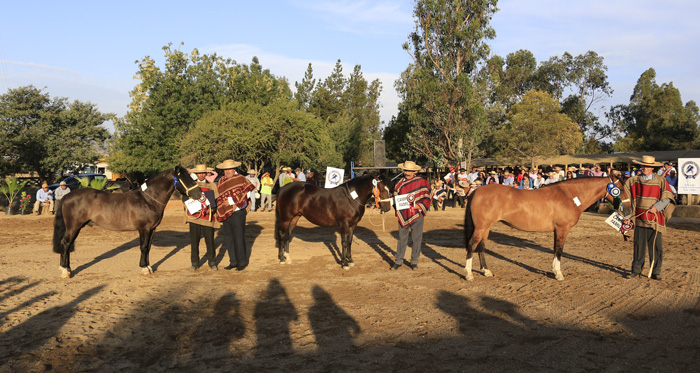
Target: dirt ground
(312, 315)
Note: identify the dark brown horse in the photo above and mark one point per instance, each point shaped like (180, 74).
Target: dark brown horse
(137, 210)
(556, 207)
(341, 206)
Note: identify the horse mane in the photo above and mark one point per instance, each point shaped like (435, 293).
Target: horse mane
(575, 181)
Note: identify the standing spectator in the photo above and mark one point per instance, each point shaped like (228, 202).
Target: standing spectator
(61, 192)
(417, 193)
(45, 196)
(626, 177)
(508, 179)
(596, 172)
(571, 172)
(492, 179)
(252, 194)
(672, 180)
(439, 194)
(559, 174)
(463, 178)
(539, 181)
(299, 175)
(666, 170)
(450, 185)
(472, 176)
(231, 210)
(652, 205)
(203, 222)
(266, 191)
(282, 176)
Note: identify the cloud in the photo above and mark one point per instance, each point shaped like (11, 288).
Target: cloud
(360, 17)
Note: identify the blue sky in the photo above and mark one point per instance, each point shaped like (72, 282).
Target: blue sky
(86, 50)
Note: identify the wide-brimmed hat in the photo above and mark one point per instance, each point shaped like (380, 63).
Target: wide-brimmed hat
(409, 166)
(252, 172)
(493, 173)
(62, 183)
(647, 160)
(572, 168)
(478, 182)
(558, 168)
(200, 169)
(229, 163)
(44, 185)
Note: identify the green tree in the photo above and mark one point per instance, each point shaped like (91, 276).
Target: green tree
(655, 118)
(257, 134)
(166, 103)
(444, 89)
(305, 89)
(537, 128)
(48, 135)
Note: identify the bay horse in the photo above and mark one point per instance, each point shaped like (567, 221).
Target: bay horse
(341, 206)
(555, 207)
(136, 210)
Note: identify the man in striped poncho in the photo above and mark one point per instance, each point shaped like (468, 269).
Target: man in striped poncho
(412, 195)
(652, 204)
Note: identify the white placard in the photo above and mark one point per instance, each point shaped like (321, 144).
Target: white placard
(353, 194)
(615, 220)
(577, 201)
(144, 187)
(402, 202)
(193, 206)
(334, 177)
(230, 201)
(688, 175)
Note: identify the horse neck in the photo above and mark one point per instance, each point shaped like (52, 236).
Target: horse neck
(360, 186)
(587, 190)
(161, 187)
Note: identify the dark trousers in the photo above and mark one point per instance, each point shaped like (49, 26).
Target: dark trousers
(416, 229)
(234, 239)
(196, 233)
(436, 205)
(647, 239)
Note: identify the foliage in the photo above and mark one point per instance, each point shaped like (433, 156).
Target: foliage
(11, 188)
(656, 118)
(350, 106)
(48, 135)
(255, 134)
(95, 183)
(444, 89)
(536, 128)
(167, 103)
(24, 201)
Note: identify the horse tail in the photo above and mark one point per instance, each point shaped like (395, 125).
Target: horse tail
(59, 230)
(468, 221)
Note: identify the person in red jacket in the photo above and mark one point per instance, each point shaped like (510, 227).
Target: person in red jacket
(412, 194)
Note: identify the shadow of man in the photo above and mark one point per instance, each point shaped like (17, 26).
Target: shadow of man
(333, 327)
(219, 330)
(272, 315)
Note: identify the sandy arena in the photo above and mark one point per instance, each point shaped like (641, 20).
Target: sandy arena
(312, 315)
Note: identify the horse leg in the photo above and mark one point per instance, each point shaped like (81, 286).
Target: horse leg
(560, 235)
(346, 242)
(351, 262)
(66, 244)
(286, 235)
(482, 256)
(146, 236)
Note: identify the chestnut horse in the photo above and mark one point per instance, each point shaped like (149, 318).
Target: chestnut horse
(341, 206)
(555, 207)
(136, 210)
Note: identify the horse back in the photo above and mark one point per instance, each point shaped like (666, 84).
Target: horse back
(539, 210)
(112, 211)
(320, 206)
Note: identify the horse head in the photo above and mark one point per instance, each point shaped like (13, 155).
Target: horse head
(384, 188)
(184, 183)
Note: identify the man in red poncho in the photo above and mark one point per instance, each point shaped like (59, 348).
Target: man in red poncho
(412, 195)
(232, 207)
(652, 204)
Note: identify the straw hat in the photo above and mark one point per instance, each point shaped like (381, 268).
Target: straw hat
(493, 173)
(648, 160)
(229, 163)
(44, 185)
(252, 172)
(478, 182)
(62, 183)
(200, 169)
(409, 166)
(572, 169)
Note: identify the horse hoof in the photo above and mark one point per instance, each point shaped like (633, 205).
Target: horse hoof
(346, 267)
(146, 270)
(559, 276)
(351, 264)
(65, 273)
(488, 273)
(470, 278)
(283, 262)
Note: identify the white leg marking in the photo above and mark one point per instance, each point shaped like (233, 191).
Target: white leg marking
(468, 268)
(488, 273)
(147, 270)
(65, 273)
(556, 268)
(288, 258)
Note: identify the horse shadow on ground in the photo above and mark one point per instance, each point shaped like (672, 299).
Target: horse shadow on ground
(430, 253)
(218, 334)
(513, 241)
(160, 238)
(329, 236)
(9, 290)
(370, 238)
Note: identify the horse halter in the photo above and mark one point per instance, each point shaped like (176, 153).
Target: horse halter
(176, 180)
